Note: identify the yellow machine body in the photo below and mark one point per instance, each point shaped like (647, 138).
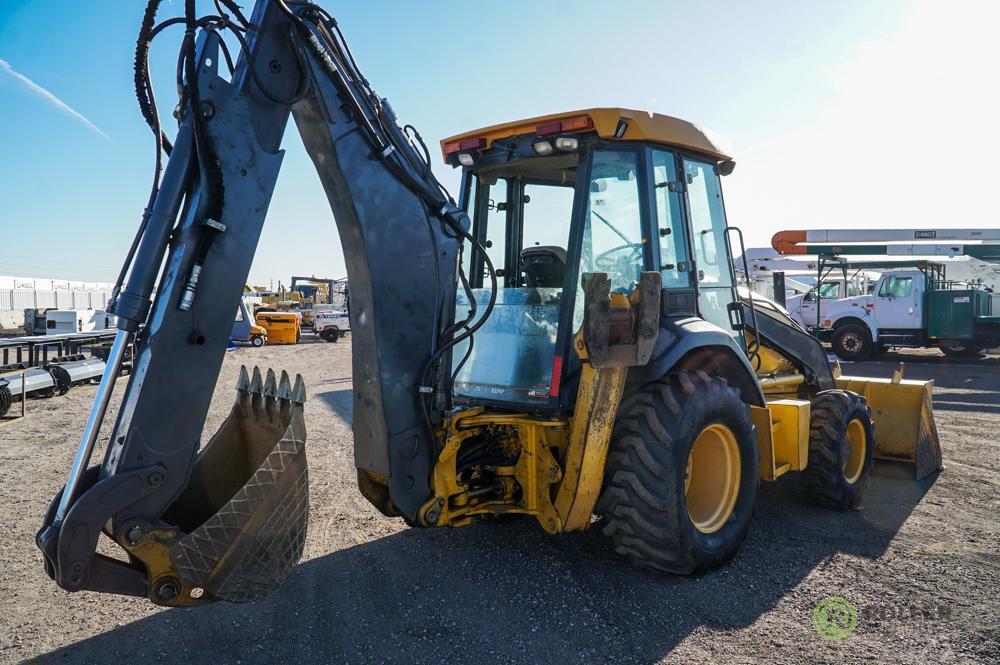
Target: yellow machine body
(281, 327)
(557, 467)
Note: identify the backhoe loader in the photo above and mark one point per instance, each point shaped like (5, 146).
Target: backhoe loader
(566, 341)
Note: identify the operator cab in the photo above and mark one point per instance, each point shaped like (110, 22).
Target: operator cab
(553, 198)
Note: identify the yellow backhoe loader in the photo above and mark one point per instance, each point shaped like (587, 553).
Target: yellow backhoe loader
(566, 341)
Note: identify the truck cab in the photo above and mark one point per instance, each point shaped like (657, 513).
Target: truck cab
(912, 307)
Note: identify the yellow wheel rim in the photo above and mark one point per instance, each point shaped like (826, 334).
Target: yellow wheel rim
(712, 482)
(858, 442)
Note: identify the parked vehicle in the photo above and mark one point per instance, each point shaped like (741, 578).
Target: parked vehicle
(912, 307)
(281, 327)
(331, 325)
(802, 306)
(51, 321)
(245, 328)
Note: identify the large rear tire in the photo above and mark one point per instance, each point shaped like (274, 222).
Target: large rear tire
(852, 341)
(841, 446)
(681, 477)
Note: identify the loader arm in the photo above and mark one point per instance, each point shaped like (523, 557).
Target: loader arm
(401, 236)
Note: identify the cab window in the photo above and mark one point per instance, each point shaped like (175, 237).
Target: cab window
(829, 290)
(711, 251)
(896, 287)
(612, 228)
(522, 213)
(669, 221)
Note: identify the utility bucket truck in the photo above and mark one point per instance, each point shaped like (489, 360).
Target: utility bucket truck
(912, 304)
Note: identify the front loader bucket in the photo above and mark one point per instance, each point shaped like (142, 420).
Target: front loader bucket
(240, 524)
(904, 420)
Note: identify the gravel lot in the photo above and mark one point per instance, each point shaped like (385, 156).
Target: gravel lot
(920, 561)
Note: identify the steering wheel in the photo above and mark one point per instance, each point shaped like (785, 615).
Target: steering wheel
(613, 259)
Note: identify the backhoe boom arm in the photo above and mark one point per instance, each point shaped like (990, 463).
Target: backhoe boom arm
(401, 237)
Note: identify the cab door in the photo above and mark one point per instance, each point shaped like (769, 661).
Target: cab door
(713, 264)
(898, 301)
(674, 252)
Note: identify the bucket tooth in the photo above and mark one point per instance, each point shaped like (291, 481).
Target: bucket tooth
(299, 391)
(255, 382)
(270, 384)
(284, 386)
(243, 381)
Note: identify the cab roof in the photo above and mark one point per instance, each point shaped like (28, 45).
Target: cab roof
(639, 126)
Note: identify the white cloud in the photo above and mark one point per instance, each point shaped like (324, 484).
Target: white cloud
(50, 98)
(911, 139)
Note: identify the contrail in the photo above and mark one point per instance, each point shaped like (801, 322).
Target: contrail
(52, 99)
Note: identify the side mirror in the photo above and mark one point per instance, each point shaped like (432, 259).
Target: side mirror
(725, 168)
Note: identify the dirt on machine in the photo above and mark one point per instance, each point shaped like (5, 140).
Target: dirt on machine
(567, 341)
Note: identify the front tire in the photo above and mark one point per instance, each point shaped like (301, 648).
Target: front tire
(257, 341)
(852, 341)
(681, 476)
(841, 448)
(330, 334)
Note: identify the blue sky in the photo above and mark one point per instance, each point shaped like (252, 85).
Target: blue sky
(849, 114)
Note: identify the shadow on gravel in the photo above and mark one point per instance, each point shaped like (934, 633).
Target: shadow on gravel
(505, 592)
(340, 401)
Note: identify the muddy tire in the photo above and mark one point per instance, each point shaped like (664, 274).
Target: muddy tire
(852, 341)
(841, 445)
(659, 507)
(5, 399)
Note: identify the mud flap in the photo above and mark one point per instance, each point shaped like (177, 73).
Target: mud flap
(239, 527)
(903, 413)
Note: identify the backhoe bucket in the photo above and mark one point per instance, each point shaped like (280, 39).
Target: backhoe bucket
(904, 420)
(241, 521)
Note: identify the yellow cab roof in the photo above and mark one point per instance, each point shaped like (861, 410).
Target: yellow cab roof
(640, 126)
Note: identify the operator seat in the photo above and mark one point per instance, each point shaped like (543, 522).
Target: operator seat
(544, 266)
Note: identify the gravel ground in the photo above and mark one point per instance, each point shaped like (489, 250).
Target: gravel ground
(919, 561)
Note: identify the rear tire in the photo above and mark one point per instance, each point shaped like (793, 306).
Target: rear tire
(330, 334)
(852, 341)
(653, 505)
(838, 470)
(960, 350)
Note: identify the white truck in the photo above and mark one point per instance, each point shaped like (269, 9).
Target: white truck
(911, 307)
(331, 325)
(802, 306)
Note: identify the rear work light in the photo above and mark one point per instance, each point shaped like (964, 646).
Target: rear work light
(567, 143)
(542, 148)
(466, 159)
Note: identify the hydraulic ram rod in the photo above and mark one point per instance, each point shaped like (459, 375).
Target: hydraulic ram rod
(93, 427)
